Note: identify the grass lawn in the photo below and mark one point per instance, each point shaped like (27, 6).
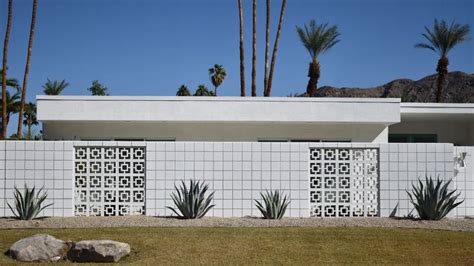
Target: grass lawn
(275, 245)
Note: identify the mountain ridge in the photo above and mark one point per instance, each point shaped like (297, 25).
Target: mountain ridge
(458, 89)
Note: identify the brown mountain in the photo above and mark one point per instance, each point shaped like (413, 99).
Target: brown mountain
(459, 89)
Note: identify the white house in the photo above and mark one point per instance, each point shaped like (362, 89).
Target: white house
(334, 157)
(275, 119)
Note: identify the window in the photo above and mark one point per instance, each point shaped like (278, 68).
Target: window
(412, 138)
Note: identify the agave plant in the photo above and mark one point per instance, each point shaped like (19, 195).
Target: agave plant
(29, 203)
(191, 202)
(273, 204)
(432, 200)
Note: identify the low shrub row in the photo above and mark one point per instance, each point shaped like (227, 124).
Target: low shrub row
(432, 201)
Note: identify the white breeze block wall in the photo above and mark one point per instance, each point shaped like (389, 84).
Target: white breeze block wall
(464, 182)
(402, 164)
(236, 171)
(41, 164)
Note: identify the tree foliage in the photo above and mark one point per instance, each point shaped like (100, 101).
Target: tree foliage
(217, 74)
(318, 38)
(442, 38)
(55, 87)
(98, 89)
(183, 91)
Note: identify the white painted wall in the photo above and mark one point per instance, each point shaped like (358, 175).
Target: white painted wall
(41, 164)
(206, 131)
(402, 164)
(464, 182)
(237, 171)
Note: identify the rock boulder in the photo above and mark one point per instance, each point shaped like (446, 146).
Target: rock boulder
(98, 251)
(39, 248)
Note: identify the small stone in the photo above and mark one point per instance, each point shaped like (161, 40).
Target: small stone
(98, 251)
(39, 248)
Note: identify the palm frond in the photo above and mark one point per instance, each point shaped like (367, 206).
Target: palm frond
(318, 38)
(441, 38)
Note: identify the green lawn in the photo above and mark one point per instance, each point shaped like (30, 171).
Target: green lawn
(275, 245)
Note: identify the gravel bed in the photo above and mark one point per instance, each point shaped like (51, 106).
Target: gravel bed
(457, 224)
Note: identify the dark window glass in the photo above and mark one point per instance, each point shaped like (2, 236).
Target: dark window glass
(412, 138)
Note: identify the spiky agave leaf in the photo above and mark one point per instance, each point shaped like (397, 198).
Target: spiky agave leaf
(29, 204)
(191, 202)
(433, 201)
(273, 204)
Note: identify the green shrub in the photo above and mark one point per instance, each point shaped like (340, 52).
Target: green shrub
(191, 202)
(273, 204)
(433, 201)
(29, 203)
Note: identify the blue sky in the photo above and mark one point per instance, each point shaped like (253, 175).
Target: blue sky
(146, 47)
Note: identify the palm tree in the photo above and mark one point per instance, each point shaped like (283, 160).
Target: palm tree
(54, 87)
(242, 52)
(217, 75)
(267, 46)
(13, 83)
(27, 69)
(203, 91)
(317, 39)
(268, 89)
(98, 89)
(183, 91)
(254, 49)
(441, 39)
(30, 119)
(4, 72)
(13, 106)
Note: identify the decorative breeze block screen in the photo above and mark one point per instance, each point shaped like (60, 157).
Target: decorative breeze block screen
(344, 182)
(109, 181)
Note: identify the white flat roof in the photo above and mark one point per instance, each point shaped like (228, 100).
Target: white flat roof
(437, 108)
(461, 112)
(219, 109)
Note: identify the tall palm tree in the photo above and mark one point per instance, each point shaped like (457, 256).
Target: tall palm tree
(267, 46)
(54, 87)
(183, 91)
(30, 118)
(242, 52)
(4, 73)
(441, 39)
(27, 69)
(13, 106)
(254, 49)
(317, 39)
(268, 89)
(203, 91)
(217, 75)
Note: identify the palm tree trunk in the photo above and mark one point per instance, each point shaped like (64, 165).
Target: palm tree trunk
(254, 50)
(313, 74)
(242, 67)
(267, 47)
(275, 50)
(30, 124)
(27, 70)
(4, 74)
(442, 70)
